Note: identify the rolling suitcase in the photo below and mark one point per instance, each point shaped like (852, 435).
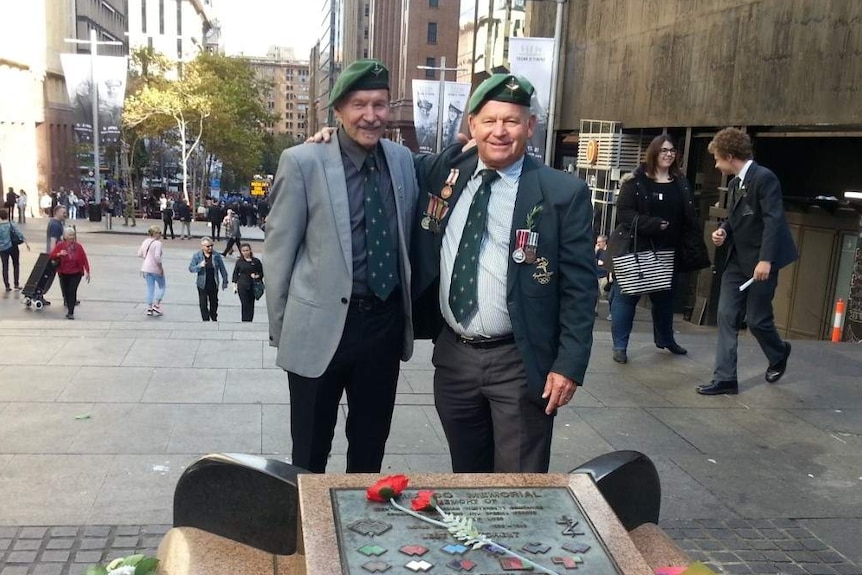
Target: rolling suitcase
(39, 282)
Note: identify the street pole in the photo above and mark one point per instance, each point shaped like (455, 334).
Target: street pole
(555, 75)
(442, 69)
(94, 97)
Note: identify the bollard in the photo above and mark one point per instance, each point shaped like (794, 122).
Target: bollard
(838, 322)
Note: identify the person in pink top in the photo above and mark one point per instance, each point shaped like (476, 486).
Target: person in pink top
(72, 265)
(152, 270)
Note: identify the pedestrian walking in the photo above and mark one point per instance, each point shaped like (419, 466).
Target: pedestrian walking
(168, 220)
(215, 215)
(232, 232)
(660, 197)
(759, 244)
(153, 270)
(183, 213)
(247, 280)
(10, 238)
(11, 202)
(54, 231)
(72, 264)
(207, 263)
(22, 208)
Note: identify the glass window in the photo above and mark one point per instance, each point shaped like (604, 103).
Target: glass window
(431, 63)
(432, 32)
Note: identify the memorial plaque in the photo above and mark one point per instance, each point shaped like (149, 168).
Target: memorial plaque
(546, 525)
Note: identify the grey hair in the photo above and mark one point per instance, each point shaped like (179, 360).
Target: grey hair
(70, 231)
(207, 239)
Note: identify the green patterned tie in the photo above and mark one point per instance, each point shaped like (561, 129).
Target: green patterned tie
(379, 244)
(464, 289)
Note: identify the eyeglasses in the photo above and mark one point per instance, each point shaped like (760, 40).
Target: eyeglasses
(207, 245)
(668, 151)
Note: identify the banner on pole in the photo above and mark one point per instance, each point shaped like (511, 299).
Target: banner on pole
(533, 58)
(110, 80)
(426, 115)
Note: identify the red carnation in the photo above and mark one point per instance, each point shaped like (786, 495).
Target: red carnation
(387, 488)
(424, 501)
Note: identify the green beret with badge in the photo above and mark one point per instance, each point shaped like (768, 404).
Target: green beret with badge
(501, 88)
(365, 74)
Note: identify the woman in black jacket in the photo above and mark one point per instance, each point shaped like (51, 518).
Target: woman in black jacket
(660, 196)
(246, 272)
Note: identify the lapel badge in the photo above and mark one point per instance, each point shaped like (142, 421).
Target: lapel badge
(542, 275)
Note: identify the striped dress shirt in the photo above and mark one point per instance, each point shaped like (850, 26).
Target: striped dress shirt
(491, 318)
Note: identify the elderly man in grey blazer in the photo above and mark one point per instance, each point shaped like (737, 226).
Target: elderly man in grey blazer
(338, 274)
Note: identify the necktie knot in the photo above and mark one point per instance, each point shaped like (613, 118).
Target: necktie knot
(488, 176)
(370, 162)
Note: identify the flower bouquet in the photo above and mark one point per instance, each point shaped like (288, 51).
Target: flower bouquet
(131, 565)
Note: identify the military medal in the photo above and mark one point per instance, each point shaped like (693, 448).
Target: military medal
(530, 249)
(426, 223)
(520, 253)
(447, 190)
(434, 213)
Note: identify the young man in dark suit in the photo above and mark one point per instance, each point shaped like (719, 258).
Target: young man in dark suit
(759, 244)
(505, 282)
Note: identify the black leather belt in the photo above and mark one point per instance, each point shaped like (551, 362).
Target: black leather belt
(483, 342)
(372, 302)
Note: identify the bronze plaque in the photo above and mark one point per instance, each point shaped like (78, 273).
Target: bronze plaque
(546, 525)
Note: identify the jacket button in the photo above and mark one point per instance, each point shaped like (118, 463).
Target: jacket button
(344, 300)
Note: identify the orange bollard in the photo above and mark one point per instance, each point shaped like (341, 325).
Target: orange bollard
(838, 322)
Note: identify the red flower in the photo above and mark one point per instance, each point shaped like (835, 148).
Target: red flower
(387, 488)
(424, 501)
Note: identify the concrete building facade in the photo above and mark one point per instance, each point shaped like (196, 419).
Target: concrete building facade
(288, 95)
(176, 28)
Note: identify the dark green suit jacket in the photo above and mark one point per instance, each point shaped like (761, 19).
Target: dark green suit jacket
(551, 302)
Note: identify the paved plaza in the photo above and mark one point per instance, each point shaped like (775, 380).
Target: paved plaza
(100, 416)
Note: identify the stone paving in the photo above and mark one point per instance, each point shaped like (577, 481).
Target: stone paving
(99, 417)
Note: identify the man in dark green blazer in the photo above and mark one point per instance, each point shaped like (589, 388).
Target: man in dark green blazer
(504, 282)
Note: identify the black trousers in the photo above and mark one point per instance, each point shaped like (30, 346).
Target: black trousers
(231, 242)
(69, 287)
(12, 253)
(492, 422)
(365, 365)
(216, 230)
(208, 301)
(168, 224)
(246, 300)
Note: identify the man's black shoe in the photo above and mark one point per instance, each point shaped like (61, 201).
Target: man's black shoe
(774, 372)
(674, 348)
(719, 388)
(620, 356)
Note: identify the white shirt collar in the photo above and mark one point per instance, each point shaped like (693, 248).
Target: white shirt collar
(510, 174)
(743, 172)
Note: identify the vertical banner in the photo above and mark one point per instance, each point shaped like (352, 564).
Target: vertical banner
(454, 107)
(110, 80)
(533, 58)
(426, 96)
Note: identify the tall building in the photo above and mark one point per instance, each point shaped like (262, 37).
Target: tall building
(110, 21)
(287, 97)
(36, 139)
(176, 28)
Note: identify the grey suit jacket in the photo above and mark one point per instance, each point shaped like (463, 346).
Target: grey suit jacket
(309, 261)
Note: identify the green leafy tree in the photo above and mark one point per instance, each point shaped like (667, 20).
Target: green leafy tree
(180, 105)
(234, 129)
(274, 145)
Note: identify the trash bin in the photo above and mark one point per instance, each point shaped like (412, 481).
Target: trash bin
(95, 212)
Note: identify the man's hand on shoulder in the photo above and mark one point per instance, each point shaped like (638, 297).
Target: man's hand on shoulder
(322, 136)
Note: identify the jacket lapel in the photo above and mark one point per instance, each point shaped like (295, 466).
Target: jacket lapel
(529, 196)
(743, 185)
(337, 185)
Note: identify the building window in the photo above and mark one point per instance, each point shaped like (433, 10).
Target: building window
(365, 34)
(367, 9)
(430, 63)
(432, 32)
(364, 54)
(434, 3)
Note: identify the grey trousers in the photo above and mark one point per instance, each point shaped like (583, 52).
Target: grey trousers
(754, 305)
(492, 423)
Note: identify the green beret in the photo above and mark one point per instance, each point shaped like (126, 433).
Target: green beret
(502, 88)
(360, 75)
